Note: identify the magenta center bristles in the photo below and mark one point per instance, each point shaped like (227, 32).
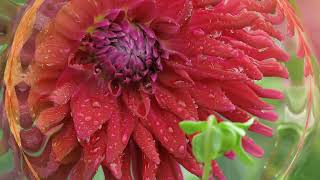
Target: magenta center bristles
(123, 51)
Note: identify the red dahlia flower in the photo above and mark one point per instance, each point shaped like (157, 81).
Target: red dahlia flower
(109, 81)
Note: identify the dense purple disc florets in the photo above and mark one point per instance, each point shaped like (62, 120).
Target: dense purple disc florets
(122, 50)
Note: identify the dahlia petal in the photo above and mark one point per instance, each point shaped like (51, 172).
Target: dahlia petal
(114, 138)
(169, 168)
(67, 85)
(92, 156)
(271, 68)
(64, 142)
(251, 147)
(241, 95)
(115, 167)
(87, 9)
(179, 10)
(69, 24)
(264, 114)
(177, 101)
(173, 80)
(167, 132)
(165, 27)
(203, 3)
(51, 117)
(262, 129)
(212, 97)
(91, 107)
(265, 93)
(142, 11)
(126, 165)
(31, 139)
(190, 163)
(210, 21)
(53, 54)
(146, 142)
(237, 115)
(44, 165)
(265, 6)
(149, 168)
(107, 174)
(137, 102)
(201, 74)
(136, 158)
(217, 172)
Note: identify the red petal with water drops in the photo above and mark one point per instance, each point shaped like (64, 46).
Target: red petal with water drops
(149, 168)
(243, 96)
(146, 142)
(190, 163)
(177, 101)
(51, 117)
(67, 84)
(169, 135)
(137, 101)
(64, 142)
(169, 169)
(115, 167)
(91, 107)
(212, 97)
(249, 146)
(92, 156)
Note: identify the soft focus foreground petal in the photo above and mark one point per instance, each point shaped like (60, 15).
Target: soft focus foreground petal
(64, 142)
(45, 165)
(67, 84)
(92, 155)
(143, 138)
(51, 117)
(53, 51)
(31, 139)
(91, 107)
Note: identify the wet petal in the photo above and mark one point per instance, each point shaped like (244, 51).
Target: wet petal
(91, 107)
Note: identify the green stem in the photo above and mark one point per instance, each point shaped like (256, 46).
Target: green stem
(206, 170)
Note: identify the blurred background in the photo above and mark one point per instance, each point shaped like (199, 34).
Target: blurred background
(294, 151)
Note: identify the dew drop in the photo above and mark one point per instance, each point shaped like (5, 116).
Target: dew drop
(165, 139)
(170, 129)
(181, 149)
(96, 104)
(124, 139)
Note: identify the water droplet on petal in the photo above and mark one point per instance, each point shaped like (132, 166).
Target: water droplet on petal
(170, 129)
(96, 104)
(124, 139)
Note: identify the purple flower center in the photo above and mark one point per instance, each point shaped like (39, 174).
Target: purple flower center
(122, 50)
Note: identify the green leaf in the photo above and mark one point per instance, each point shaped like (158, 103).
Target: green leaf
(191, 127)
(3, 47)
(19, 2)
